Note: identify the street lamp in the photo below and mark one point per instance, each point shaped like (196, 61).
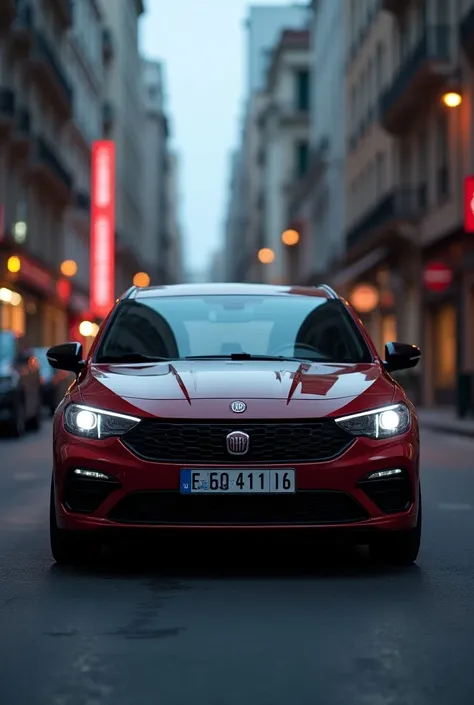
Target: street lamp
(266, 255)
(141, 279)
(452, 99)
(68, 268)
(290, 237)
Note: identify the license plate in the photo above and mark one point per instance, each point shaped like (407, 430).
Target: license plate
(281, 481)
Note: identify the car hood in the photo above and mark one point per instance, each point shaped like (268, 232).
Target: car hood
(194, 388)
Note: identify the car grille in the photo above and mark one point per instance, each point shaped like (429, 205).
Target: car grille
(390, 494)
(205, 442)
(303, 507)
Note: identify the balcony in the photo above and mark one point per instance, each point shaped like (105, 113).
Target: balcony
(466, 33)
(417, 83)
(396, 7)
(7, 12)
(292, 114)
(7, 107)
(63, 10)
(47, 167)
(107, 45)
(47, 68)
(385, 219)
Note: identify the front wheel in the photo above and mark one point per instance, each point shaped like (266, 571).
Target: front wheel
(400, 547)
(67, 547)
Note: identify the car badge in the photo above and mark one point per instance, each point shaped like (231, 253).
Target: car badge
(238, 443)
(238, 407)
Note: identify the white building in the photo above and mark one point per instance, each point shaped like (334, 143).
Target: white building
(328, 131)
(124, 123)
(265, 24)
(285, 146)
(154, 180)
(244, 223)
(175, 251)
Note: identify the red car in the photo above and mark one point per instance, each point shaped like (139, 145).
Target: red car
(235, 407)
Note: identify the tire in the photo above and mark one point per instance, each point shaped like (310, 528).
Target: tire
(70, 548)
(399, 548)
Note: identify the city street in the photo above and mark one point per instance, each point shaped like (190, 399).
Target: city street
(260, 630)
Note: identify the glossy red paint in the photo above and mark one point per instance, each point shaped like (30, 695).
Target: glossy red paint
(204, 390)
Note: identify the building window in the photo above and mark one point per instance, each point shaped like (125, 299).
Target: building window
(302, 90)
(302, 159)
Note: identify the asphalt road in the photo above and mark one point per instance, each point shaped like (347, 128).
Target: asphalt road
(256, 629)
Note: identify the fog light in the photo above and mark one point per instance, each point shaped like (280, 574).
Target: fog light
(384, 473)
(92, 474)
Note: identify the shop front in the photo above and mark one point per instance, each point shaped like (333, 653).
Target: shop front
(29, 301)
(448, 312)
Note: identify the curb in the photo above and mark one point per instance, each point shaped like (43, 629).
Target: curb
(463, 432)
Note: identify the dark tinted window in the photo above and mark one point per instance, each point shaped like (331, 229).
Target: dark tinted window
(291, 326)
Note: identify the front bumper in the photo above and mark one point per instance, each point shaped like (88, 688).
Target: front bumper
(140, 494)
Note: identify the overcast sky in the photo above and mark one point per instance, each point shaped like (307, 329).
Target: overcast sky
(202, 45)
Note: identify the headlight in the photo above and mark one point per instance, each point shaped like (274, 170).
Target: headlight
(88, 422)
(381, 423)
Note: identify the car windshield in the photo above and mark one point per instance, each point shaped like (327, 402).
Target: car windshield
(291, 326)
(7, 346)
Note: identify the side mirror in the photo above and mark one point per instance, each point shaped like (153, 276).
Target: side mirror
(401, 356)
(67, 356)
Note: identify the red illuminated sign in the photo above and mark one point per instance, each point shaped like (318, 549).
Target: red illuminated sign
(102, 255)
(437, 277)
(469, 204)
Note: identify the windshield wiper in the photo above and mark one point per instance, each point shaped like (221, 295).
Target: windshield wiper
(131, 358)
(248, 356)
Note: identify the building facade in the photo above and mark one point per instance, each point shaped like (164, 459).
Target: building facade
(285, 148)
(155, 173)
(175, 273)
(36, 180)
(409, 150)
(124, 123)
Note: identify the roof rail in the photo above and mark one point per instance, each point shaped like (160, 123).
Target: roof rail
(329, 290)
(128, 294)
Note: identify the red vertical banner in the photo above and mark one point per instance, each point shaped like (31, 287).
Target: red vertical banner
(102, 243)
(469, 204)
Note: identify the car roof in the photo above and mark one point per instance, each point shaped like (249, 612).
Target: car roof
(321, 291)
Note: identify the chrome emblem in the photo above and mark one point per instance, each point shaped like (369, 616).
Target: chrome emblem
(238, 407)
(238, 443)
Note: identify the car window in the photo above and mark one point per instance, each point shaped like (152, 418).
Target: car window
(8, 348)
(291, 326)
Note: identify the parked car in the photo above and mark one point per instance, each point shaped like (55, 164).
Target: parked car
(54, 383)
(20, 387)
(234, 407)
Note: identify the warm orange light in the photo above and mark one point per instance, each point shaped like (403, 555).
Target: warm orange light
(141, 279)
(69, 268)
(290, 237)
(452, 99)
(14, 264)
(266, 255)
(365, 298)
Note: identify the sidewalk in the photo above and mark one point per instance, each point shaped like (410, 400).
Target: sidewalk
(445, 420)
